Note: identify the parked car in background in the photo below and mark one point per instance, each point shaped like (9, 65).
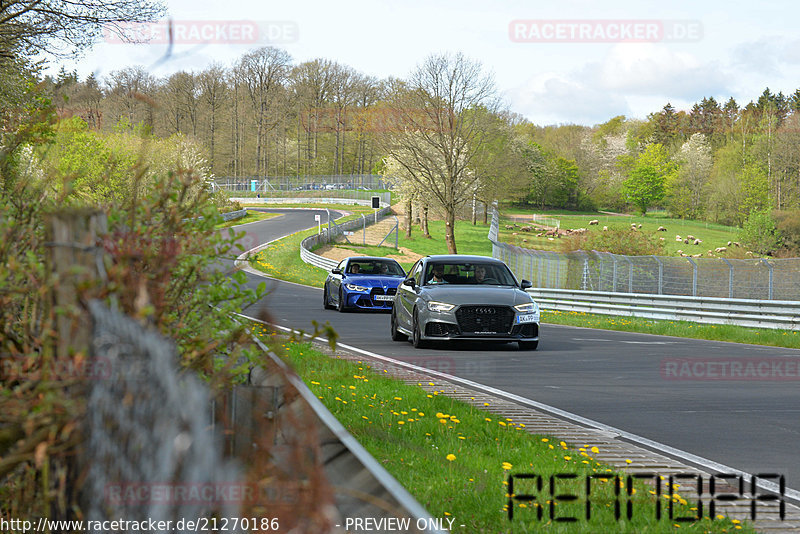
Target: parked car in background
(362, 282)
(452, 297)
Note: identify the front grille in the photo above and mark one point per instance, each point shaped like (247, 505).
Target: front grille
(485, 319)
(379, 291)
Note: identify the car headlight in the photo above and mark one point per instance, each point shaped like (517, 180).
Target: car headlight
(353, 287)
(526, 308)
(440, 306)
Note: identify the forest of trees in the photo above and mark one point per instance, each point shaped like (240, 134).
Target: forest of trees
(265, 115)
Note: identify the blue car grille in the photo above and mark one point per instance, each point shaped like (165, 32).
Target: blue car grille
(485, 319)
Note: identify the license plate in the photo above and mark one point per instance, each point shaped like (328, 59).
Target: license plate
(383, 297)
(529, 318)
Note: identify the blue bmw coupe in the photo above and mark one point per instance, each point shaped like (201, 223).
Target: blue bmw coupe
(362, 282)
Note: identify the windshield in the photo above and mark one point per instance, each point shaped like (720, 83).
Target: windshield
(468, 274)
(373, 267)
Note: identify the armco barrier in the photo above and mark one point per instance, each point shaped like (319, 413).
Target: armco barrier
(741, 312)
(326, 237)
(363, 486)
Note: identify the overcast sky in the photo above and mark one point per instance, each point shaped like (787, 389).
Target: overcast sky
(576, 62)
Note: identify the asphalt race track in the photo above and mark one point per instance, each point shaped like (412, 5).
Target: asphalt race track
(628, 381)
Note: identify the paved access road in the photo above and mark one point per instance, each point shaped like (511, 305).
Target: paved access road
(620, 379)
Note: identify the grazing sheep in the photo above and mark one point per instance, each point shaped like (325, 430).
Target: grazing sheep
(524, 240)
(686, 241)
(736, 244)
(593, 222)
(509, 227)
(729, 243)
(526, 228)
(697, 241)
(661, 229)
(661, 239)
(697, 255)
(720, 249)
(748, 253)
(691, 237)
(678, 238)
(605, 228)
(639, 226)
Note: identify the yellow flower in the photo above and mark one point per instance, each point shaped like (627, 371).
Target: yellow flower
(595, 450)
(451, 457)
(507, 466)
(568, 458)
(545, 440)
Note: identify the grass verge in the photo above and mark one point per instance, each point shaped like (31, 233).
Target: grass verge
(456, 459)
(732, 333)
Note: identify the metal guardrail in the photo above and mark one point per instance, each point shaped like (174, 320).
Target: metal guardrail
(327, 236)
(364, 487)
(775, 314)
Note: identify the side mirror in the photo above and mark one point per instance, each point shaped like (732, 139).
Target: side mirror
(525, 284)
(410, 282)
(336, 271)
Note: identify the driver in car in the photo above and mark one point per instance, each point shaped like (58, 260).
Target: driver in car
(438, 274)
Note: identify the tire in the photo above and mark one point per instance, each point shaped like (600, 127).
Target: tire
(340, 305)
(528, 345)
(325, 299)
(416, 339)
(396, 334)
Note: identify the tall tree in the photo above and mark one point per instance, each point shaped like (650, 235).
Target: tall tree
(263, 72)
(439, 130)
(647, 176)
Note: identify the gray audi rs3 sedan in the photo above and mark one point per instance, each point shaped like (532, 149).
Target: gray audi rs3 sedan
(451, 297)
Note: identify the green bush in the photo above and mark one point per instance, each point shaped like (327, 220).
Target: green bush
(760, 234)
(788, 224)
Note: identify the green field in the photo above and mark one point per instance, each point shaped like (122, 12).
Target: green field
(711, 235)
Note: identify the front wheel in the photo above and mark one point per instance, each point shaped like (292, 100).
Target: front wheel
(528, 345)
(325, 299)
(340, 305)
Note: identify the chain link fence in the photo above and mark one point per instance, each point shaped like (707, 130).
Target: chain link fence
(274, 184)
(763, 279)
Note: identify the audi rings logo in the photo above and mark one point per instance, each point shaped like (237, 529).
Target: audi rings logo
(485, 311)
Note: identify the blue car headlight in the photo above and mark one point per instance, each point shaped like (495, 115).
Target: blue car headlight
(353, 287)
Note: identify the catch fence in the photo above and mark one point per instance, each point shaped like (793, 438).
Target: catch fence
(762, 279)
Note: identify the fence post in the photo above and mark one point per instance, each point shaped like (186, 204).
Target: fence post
(770, 276)
(694, 276)
(558, 271)
(364, 230)
(660, 275)
(630, 274)
(730, 277)
(614, 274)
(74, 258)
